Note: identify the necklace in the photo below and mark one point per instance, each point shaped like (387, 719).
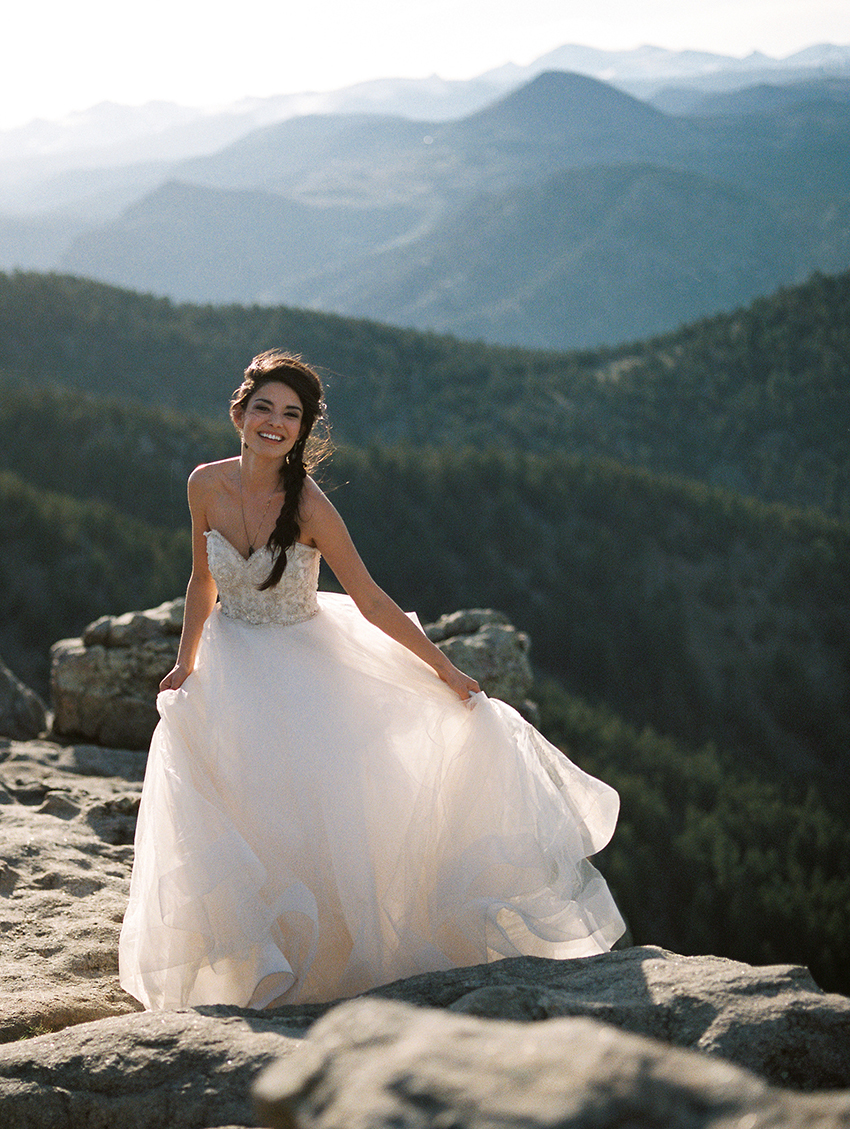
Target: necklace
(249, 538)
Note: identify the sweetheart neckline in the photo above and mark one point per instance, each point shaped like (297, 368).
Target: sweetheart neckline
(254, 555)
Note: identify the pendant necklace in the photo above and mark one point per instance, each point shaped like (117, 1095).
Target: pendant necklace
(249, 538)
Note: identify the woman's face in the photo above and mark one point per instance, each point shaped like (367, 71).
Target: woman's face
(272, 420)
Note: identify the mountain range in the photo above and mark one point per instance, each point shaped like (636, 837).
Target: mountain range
(107, 133)
(564, 213)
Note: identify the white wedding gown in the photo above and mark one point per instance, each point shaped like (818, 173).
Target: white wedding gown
(321, 814)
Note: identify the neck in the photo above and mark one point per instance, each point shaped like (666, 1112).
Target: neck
(261, 476)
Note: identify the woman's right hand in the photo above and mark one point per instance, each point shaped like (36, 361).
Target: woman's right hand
(175, 678)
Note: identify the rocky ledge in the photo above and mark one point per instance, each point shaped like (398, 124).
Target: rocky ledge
(639, 1037)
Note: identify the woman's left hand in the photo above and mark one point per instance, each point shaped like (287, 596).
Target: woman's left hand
(461, 683)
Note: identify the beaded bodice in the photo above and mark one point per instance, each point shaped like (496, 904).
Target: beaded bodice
(291, 600)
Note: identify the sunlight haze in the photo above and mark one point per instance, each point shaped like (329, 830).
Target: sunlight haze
(59, 58)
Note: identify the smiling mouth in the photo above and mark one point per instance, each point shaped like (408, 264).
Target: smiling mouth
(274, 438)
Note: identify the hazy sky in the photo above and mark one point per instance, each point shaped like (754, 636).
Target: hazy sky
(62, 55)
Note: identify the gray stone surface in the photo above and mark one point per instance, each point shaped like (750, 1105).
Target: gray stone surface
(373, 1064)
(67, 818)
(67, 815)
(104, 685)
(156, 1070)
(772, 1020)
(22, 713)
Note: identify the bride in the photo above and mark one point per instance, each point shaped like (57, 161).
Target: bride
(329, 803)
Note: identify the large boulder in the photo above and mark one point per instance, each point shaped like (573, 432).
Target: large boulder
(393, 1063)
(156, 1070)
(772, 1020)
(22, 713)
(372, 1064)
(104, 685)
(485, 645)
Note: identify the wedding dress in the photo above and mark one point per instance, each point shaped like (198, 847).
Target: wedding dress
(321, 814)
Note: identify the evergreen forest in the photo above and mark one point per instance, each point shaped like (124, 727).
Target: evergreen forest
(669, 521)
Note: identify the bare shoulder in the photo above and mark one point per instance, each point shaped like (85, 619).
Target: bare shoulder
(210, 476)
(317, 511)
(315, 504)
(312, 496)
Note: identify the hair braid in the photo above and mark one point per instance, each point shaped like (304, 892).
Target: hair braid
(287, 527)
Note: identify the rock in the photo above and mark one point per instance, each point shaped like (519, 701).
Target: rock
(157, 1070)
(774, 1020)
(485, 645)
(132, 628)
(22, 712)
(67, 818)
(372, 1064)
(104, 685)
(640, 1035)
(383, 1062)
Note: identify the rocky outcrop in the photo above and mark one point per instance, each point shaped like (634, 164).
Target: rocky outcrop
(486, 645)
(22, 713)
(377, 1065)
(774, 1021)
(104, 684)
(172, 1070)
(418, 1054)
(639, 1037)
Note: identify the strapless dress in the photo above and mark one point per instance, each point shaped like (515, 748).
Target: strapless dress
(321, 814)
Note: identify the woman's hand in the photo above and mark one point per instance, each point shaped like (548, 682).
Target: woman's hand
(461, 683)
(175, 678)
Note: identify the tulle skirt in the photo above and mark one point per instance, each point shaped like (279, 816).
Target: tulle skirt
(322, 815)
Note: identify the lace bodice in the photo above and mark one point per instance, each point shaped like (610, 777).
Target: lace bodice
(292, 600)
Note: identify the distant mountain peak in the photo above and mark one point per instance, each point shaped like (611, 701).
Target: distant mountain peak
(555, 98)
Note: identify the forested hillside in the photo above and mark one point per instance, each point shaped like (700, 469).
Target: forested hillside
(758, 400)
(64, 561)
(683, 606)
(709, 856)
(687, 608)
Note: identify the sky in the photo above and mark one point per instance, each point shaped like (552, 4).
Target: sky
(60, 56)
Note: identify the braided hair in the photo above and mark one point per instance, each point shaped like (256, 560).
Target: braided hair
(307, 452)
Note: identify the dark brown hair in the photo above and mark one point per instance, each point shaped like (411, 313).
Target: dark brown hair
(306, 454)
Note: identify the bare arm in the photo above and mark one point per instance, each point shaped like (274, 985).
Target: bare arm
(323, 526)
(201, 592)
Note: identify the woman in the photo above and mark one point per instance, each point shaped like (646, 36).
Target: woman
(320, 813)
